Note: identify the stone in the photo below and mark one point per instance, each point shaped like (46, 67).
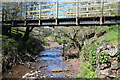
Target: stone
(98, 51)
(103, 66)
(114, 65)
(112, 73)
(101, 76)
(104, 72)
(108, 46)
(112, 52)
(118, 73)
(119, 64)
(101, 47)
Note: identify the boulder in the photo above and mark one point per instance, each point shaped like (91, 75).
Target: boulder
(112, 73)
(104, 72)
(112, 52)
(114, 65)
(103, 66)
(118, 72)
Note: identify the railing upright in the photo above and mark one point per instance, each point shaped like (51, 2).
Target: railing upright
(25, 14)
(102, 8)
(56, 13)
(39, 14)
(77, 12)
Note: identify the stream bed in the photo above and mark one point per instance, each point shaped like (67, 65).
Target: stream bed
(51, 65)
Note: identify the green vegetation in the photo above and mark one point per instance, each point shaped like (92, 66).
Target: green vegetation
(60, 40)
(88, 52)
(104, 58)
(15, 51)
(111, 35)
(118, 56)
(87, 71)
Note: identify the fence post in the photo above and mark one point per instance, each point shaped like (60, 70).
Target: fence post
(56, 13)
(77, 13)
(87, 8)
(39, 14)
(101, 17)
(26, 14)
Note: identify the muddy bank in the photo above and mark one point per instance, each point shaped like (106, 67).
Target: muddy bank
(73, 65)
(49, 64)
(71, 53)
(16, 72)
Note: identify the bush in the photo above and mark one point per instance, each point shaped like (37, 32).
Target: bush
(104, 57)
(8, 45)
(92, 54)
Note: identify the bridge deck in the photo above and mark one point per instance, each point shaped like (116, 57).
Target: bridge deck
(61, 14)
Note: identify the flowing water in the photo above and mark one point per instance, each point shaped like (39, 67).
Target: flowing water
(51, 65)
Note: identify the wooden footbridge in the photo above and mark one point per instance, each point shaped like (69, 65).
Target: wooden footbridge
(23, 14)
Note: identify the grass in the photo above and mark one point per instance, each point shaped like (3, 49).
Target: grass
(111, 35)
(89, 49)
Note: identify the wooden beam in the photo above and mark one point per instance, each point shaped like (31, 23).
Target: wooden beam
(57, 13)
(77, 14)
(39, 14)
(101, 17)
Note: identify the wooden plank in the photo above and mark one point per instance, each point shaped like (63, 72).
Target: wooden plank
(48, 5)
(65, 2)
(39, 15)
(102, 8)
(56, 12)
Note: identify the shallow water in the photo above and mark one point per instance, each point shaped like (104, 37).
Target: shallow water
(50, 64)
(54, 61)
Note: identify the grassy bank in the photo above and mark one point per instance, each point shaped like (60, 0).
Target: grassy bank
(15, 52)
(88, 52)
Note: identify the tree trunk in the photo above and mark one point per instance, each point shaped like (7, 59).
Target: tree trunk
(26, 35)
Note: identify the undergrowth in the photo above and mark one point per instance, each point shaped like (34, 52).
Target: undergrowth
(88, 52)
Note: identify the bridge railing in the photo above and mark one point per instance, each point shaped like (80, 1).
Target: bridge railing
(63, 10)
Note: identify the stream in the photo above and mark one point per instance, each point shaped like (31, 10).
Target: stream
(51, 65)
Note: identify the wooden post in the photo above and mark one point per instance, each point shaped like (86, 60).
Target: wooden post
(87, 9)
(101, 17)
(21, 10)
(77, 14)
(57, 13)
(26, 14)
(13, 23)
(39, 14)
(109, 10)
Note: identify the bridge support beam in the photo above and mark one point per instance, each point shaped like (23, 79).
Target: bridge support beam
(25, 23)
(77, 21)
(12, 23)
(56, 21)
(101, 20)
(39, 22)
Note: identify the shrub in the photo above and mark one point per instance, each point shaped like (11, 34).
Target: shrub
(104, 57)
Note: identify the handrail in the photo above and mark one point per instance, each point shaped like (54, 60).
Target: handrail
(109, 9)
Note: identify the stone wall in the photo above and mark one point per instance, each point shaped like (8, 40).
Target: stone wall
(111, 68)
